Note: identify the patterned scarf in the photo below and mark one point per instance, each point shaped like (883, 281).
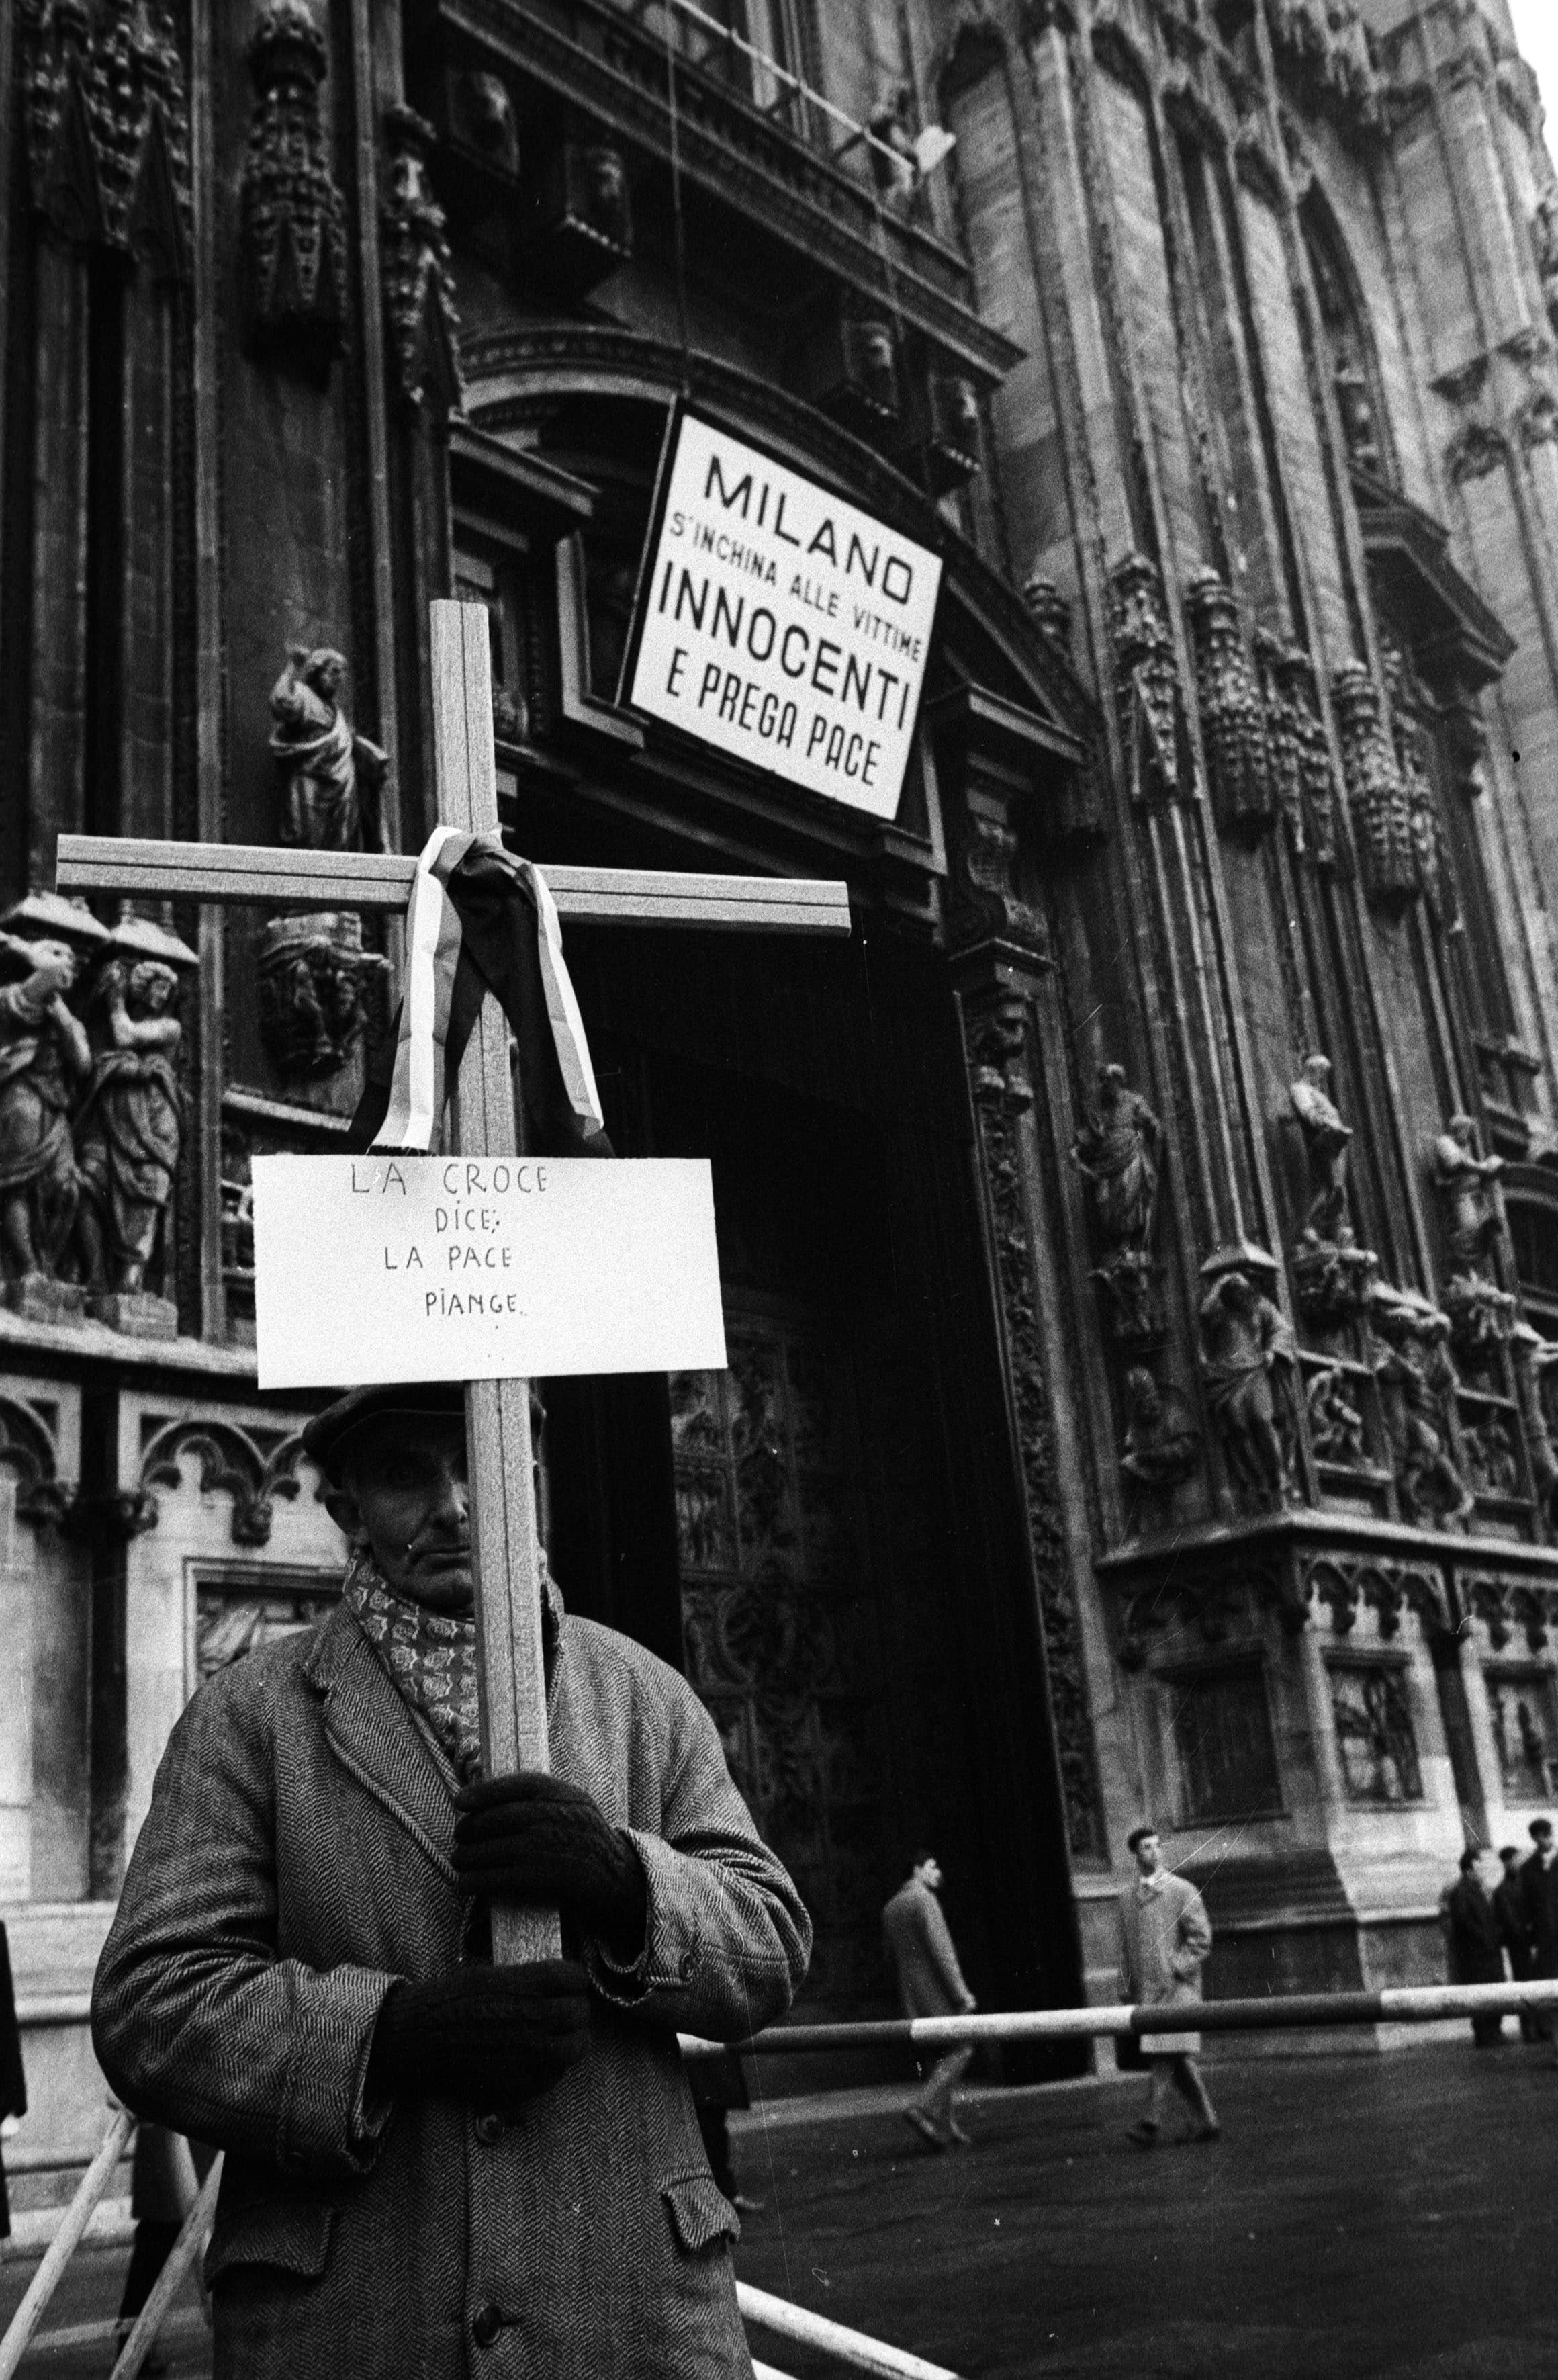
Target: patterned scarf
(430, 1658)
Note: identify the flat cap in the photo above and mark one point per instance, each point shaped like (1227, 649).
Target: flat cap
(325, 1437)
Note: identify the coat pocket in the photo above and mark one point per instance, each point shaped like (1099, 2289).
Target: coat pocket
(700, 2213)
(292, 2234)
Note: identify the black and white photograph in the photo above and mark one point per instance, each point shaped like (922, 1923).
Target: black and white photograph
(779, 1189)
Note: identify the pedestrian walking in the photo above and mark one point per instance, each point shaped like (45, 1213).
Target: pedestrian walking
(1165, 1938)
(930, 1983)
(1509, 1908)
(1538, 1884)
(1475, 1953)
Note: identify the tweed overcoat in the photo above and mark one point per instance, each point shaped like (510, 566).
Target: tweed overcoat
(295, 1861)
(930, 1981)
(1165, 1938)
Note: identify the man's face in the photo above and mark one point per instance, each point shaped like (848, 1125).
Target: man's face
(1148, 1858)
(405, 1497)
(929, 1874)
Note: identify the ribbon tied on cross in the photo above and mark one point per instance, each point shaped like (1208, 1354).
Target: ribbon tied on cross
(482, 920)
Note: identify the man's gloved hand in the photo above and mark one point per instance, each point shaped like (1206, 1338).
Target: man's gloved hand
(536, 1838)
(492, 2036)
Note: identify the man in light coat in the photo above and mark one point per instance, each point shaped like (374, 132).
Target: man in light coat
(436, 2169)
(1165, 1938)
(930, 1983)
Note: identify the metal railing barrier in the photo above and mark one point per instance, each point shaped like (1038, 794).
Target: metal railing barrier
(190, 2244)
(850, 2348)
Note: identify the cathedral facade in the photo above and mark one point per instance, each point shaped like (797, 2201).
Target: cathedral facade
(1140, 1246)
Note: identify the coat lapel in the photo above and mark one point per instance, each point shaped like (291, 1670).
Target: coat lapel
(374, 1736)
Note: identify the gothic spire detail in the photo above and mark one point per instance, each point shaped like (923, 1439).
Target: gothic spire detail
(294, 216)
(1381, 810)
(1233, 722)
(106, 123)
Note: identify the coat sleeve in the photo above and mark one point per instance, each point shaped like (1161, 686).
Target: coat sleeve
(942, 1952)
(1130, 1984)
(726, 1940)
(198, 2023)
(1194, 1939)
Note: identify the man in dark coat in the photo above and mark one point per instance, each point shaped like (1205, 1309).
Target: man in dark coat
(1539, 1888)
(1509, 1908)
(930, 1983)
(1475, 1951)
(437, 2167)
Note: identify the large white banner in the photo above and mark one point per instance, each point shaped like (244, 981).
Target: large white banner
(782, 625)
(390, 1268)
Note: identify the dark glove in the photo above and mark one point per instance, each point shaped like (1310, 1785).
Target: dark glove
(492, 2036)
(536, 1838)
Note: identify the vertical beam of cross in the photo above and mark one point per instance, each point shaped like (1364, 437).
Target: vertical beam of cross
(502, 1481)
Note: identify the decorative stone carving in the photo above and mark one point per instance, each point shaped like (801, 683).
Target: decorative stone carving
(1335, 1424)
(1492, 1460)
(584, 216)
(1417, 1384)
(1322, 48)
(1162, 1443)
(1376, 796)
(1544, 242)
(312, 967)
(255, 1468)
(1052, 614)
(1534, 1361)
(1151, 700)
(953, 431)
(1409, 703)
(1348, 1584)
(985, 897)
(1303, 773)
(1003, 1098)
(1356, 407)
(293, 238)
(1233, 720)
(1118, 1153)
(44, 1057)
(1476, 448)
(479, 115)
(129, 1130)
(1249, 1364)
(1481, 1313)
(1538, 419)
(418, 285)
(1504, 1604)
(106, 121)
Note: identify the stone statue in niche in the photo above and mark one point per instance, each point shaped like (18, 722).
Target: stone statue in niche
(1248, 1361)
(327, 769)
(1335, 1424)
(1481, 1313)
(1416, 1381)
(312, 967)
(1491, 1460)
(45, 1055)
(1331, 1272)
(1118, 1153)
(129, 1130)
(1162, 1442)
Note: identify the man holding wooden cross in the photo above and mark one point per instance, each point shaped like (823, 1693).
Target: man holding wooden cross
(458, 2137)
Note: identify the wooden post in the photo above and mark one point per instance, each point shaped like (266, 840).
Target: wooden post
(502, 1489)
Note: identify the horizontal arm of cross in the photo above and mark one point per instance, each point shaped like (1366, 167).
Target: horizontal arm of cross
(230, 872)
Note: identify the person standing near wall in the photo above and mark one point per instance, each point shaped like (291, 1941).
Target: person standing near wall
(1509, 1908)
(1475, 1951)
(1165, 1938)
(930, 1983)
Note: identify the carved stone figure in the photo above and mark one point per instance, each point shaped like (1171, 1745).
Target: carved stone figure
(44, 1054)
(1162, 1443)
(1335, 1425)
(1466, 1183)
(1249, 1361)
(1327, 1145)
(130, 1129)
(1357, 410)
(312, 975)
(418, 284)
(1303, 772)
(1117, 1153)
(1416, 1379)
(326, 767)
(1491, 1460)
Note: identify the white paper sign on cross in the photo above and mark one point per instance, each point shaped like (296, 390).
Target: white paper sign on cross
(483, 1129)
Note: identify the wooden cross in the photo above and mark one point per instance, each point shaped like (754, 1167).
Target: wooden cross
(503, 1522)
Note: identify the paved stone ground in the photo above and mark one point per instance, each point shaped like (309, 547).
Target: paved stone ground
(1364, 2218)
